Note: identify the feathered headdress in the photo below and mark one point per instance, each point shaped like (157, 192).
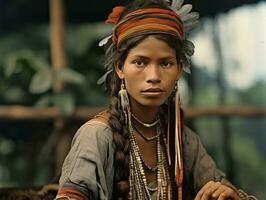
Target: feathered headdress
(189, 20)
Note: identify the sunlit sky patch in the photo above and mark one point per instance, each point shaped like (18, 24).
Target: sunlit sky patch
(242, 38)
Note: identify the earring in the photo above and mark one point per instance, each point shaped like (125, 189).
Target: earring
(177, 107)
(177, 97)
(178, 142)
(124, 99)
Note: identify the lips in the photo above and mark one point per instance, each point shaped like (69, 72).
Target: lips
(153, 90)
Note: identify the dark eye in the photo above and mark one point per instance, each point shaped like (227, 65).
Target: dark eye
(166, 64)
(139, 63)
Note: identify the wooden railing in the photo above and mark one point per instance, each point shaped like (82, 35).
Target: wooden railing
(16, 112)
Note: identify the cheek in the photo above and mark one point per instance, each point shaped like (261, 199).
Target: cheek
(130, 82)
(132, 75)
(131, 88)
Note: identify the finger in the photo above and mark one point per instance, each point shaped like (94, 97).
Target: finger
(219, 191)
(203, 189)
(228, 193)
(210, 190)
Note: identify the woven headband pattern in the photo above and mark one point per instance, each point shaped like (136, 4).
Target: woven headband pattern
(178, 20)
(155, 20)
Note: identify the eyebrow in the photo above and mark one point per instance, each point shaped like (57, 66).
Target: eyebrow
(147, 58)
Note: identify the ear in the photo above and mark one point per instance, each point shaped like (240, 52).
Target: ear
(119, 71)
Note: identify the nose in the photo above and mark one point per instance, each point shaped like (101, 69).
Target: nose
(153, 74)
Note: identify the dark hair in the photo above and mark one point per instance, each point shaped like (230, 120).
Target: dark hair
(116, 56)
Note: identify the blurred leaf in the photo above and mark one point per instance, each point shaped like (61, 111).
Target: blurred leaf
(14, 94)
(65, 101)
(39, 63)
(36, 62)
(70, 76)
(6, 146)
(10, 65)
(41, 81)
(80, 38)
(43, 101)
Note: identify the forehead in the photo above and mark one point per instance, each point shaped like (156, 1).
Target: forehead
(152, 46)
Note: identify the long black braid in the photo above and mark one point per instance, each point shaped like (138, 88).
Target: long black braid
(116, 56)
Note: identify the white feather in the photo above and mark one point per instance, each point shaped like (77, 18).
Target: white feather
(176, 4)
(187, 70)
(185, 9)
(104, 41)
(190, 25)
(102, 79)
(190, 17)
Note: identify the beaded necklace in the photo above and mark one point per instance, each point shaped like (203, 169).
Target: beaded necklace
(146, 124)
(137, 178)
(148, 167)
(145, 137)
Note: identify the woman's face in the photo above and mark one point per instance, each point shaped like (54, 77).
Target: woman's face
(150, 72)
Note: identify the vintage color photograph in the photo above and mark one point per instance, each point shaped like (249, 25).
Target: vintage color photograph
(132, 100)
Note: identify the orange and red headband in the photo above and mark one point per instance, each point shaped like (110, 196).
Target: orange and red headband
(147, 20)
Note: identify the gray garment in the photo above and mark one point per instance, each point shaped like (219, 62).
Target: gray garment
(89, 165)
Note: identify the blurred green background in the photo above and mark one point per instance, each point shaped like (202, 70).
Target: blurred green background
(229, 69)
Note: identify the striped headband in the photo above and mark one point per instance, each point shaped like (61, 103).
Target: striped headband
(178, 20)
(147, 20)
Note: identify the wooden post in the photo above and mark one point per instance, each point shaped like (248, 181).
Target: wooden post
(57, 41)
(59, 61)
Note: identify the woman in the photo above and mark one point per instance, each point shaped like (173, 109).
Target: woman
(138, 148)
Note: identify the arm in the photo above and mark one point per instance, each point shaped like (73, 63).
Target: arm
(87, 172)
(220, 191)
(217, 190)
(208, 180)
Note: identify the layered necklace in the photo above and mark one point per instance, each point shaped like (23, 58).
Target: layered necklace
(148, 139)
(146, 124)
(139, 188)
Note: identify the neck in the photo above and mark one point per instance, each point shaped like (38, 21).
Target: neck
(145, 113)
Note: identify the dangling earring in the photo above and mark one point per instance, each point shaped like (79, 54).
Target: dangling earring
(177, 97)
(124, 99)
(178, 142)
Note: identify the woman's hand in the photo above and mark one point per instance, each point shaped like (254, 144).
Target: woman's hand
(216, 190)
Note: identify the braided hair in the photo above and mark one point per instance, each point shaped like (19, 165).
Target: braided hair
(116, 56)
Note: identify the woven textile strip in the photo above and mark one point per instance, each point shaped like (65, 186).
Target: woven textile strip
(154, 20)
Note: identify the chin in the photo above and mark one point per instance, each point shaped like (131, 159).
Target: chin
(152, 103)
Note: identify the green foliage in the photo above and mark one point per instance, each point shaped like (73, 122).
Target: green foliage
(27, 77)
(41, 80)
(206, 96)
(67, 75)
(207, 91)
(19, 149)
(255, 95)
(249, 160)
(65, 101)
